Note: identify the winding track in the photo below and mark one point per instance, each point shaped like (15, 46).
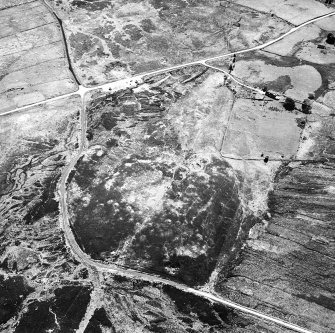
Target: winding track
(82, 257)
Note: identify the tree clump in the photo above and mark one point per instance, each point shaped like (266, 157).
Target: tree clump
(306, 106)
(330, 39)
(289, 104)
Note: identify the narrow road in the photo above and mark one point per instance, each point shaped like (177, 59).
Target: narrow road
(133, 81)
(257, 90)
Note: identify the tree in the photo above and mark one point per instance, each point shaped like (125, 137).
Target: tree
(289, 104)
(330, 39)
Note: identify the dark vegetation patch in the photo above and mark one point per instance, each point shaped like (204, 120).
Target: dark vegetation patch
(84, 173)
(301, 122)
(108, 112)
(192, 270)
(147, 25)
(158, 133)
(38, 318)
(159, 4)
(13, 291)
(108, 121)
(112, 143)
(36, 147)
(115, 49)
(282, 84)
(133, 31)
(108, 219)
(146, 66)
(99, 319)
(194, 307)
(81, 43)
(289, 104)
(68, 305)
(23, 163)
(38, 200)
(122, 39)
(120, 279)
(174, 227)
(328, 75)
(99, 227)
(92, 5)
(99, 52)
(158, 43)
(322, 300)
(116, 65)
(327, 71)
(45, 203)
(6, 181)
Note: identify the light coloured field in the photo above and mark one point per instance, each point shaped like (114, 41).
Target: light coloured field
(329, 99)
(310, 52)
(20, 130)
(33, 66)
(304, 79)
(290, 44)
(294, 11)
(327, 24)
(201, 122)
(12, 3)
(257, 130)
(303, 43)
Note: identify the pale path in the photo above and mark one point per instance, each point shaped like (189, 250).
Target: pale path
(133, 81)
